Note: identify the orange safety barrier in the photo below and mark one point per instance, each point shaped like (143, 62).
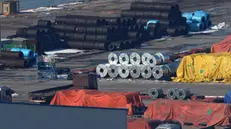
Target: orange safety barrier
(142, 123)
(95, 98)
(222, 46)
(193, 112)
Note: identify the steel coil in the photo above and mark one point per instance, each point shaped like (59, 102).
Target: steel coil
(135, 71)
(164, 56)
(44, 23)
(11, 54)
(135, 58)
(21, 32)
(88, 45)
(102, 70)
(124, 71)
(154, 60)
(144, 58)
(146, 71)
(118, 44)
(156, 93)
(32, 32)
(124, 58)
(75, 45)
(111, 47)
(160, 72)
(80, 29)
(113, 70)
(183, 94)
(69, 35)
(168, 23)
(171, 93)
(113, 58)
(142, 21)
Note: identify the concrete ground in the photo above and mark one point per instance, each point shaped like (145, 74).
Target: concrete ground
(25, 80)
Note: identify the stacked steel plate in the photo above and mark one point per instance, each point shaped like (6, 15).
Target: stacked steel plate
(163, 18)
(138, 65)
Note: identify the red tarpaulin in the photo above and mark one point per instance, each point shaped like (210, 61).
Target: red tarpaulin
(222, 46)
(142, 123)
(95, 98)
(189, 112)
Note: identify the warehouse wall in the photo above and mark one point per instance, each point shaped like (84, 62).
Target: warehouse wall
(25, 116)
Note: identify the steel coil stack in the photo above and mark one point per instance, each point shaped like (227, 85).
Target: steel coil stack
(139, 65)
(158, 18)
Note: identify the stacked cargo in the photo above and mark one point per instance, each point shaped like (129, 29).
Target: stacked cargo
(163, 18)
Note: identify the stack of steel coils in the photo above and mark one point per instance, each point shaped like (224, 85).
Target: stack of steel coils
(138, 65)
(158, 18)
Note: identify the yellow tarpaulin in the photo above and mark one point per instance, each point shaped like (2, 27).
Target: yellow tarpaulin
(205, 68)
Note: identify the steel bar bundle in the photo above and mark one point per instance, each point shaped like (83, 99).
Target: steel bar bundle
(146, 71)
(124, 71)
(102, 70)
(135, 71)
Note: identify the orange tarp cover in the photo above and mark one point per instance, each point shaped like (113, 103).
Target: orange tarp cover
(143, 123)
(189, 112)
(222, 46)
(94, 98)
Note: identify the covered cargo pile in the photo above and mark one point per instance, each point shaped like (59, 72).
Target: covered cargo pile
(94, 98)
(143, 123)
(205, 68)
(222, 46)
(196, 113)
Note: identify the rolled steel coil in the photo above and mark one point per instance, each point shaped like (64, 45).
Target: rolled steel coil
(171, 93)
(112, 20)
(69, 35)
(100, 38)
(17, 63)
(118, 44)
(131, 28)
(124, 58)
(172, 31)
(145, 57)
(173, 66)
(164, 56)
(134, 35)
(111, 47)
(135, 71)
(183, 30)
(156, 93)
(146, 71)
(100, 46)
(124, 71)
(61, 34)
(45, 30)
(88, 45)
(44, 23)
(113, 58)
(93, 22)
(65, 28)
(183, 94)
(99, 30)
(139, 28)
(32, 32)
(102, 70)
(168, 23)
(154, 6)
(160, 71)
(113, 70)
(154, 60)
(11, 54)
(135, 58)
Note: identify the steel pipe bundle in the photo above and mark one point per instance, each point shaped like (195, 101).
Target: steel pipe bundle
(17, 63)
(11, 54)
(146, 71)
(156, 93)
(135, 71)
(113, 70)
(124, 71)
(102, 70)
